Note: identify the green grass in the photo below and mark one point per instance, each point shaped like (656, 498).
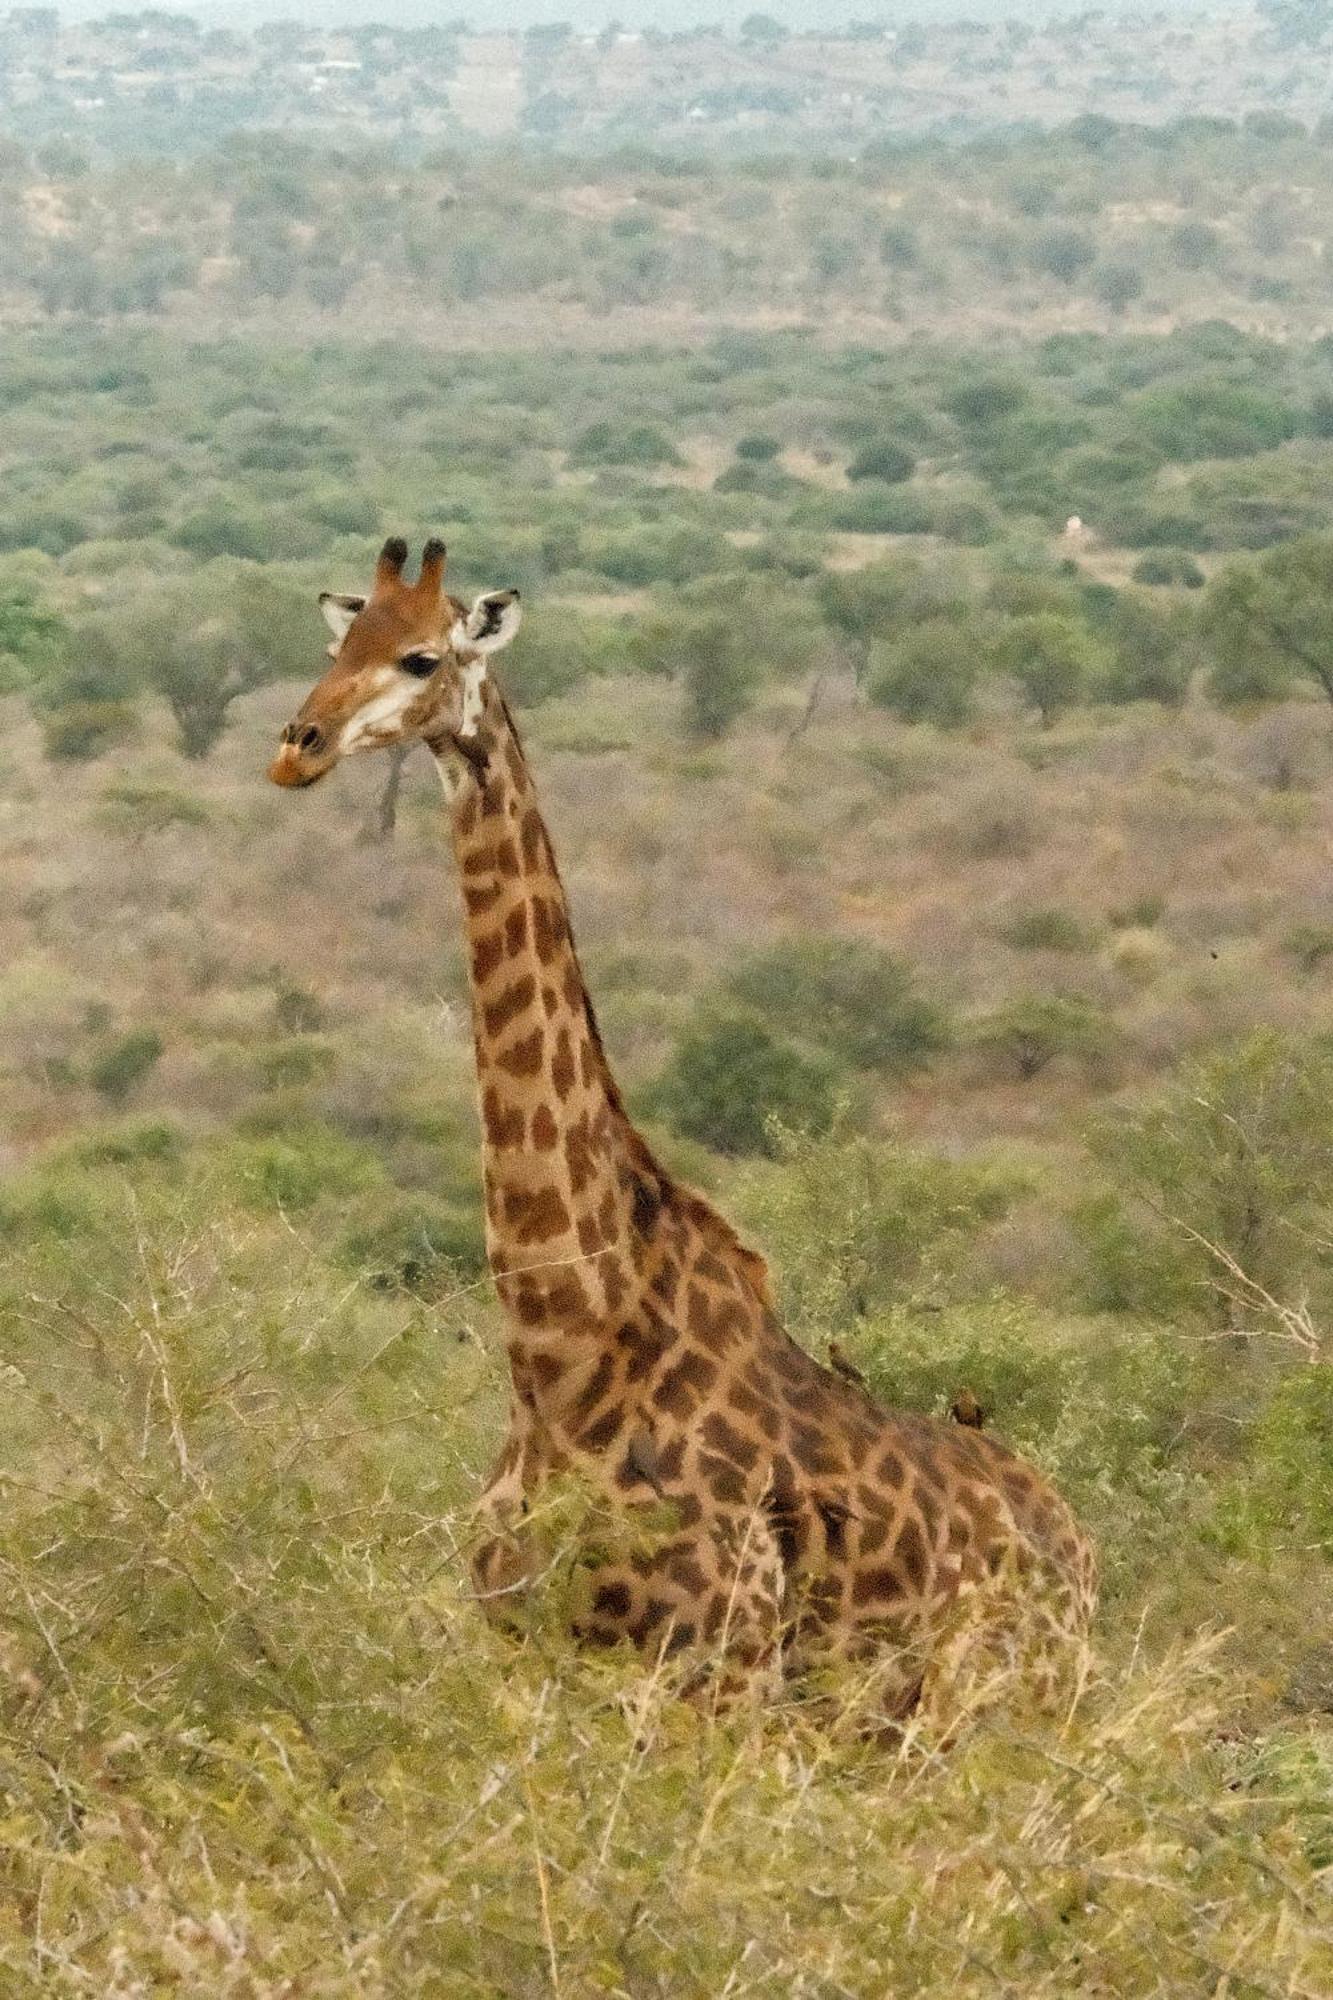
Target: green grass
(259, 1741)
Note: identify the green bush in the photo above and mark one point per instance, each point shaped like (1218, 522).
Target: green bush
(1169, 566)
(883, 459)
(852, 1225)
(406, 1243)
(1047, 929)
(1052, 658)
(1026, 1035)
(303, 1166)
(929, 674)
(731, 1078)
(851, 997)
(1235, 1161)
(609, 443)
(118, 1070)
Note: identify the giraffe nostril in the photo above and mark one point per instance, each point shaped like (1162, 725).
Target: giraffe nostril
(310, 738)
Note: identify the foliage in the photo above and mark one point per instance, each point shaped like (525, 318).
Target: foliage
(118, 1069)
(1235, 1160)
(929, 674)
(1053, 659)
(1267, 623)
(731, 1078)
(854, 1224)
(1029, 1033)
(852, 998)
(885, 459)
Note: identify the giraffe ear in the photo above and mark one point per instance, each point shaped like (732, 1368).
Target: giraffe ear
(490, 624)
(339, 611)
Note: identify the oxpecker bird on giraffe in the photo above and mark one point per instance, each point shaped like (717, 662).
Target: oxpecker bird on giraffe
(805, 1523)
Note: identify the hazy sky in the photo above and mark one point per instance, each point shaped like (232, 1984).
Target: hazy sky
(634, 13)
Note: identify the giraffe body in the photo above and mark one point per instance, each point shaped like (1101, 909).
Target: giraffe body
(646, 1357)
(804, 1523)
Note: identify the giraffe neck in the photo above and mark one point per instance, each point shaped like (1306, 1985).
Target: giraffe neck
(571, 1188)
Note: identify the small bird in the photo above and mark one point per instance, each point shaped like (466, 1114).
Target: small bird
(966, 1410)
(842, 1364)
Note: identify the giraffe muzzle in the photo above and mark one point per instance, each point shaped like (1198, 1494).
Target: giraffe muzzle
(304, 756)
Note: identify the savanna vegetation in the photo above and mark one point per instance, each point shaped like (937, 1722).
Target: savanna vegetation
(953, 886)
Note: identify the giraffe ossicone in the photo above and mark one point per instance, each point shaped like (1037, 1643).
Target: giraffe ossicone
(807, 1522)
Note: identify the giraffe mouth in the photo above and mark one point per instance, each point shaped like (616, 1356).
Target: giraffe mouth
(288, 770)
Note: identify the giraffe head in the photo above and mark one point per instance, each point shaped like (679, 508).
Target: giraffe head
(409, 664)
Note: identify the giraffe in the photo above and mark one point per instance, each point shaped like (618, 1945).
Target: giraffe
(805, 1523)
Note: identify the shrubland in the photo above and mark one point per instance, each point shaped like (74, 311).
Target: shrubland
(953, 890)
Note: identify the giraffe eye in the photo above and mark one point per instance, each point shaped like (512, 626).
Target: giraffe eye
(420, 664)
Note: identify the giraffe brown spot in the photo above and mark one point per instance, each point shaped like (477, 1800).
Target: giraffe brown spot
(544, 1367)
(545, 1133)
(606, 1216)
(506, 857)
(655, 1613)
(524, 1057)
(715, 1614)
(876, 1586)
(874, 1534)
(549, 1001)
(645, 1346)
(526, 1301)
(590, 1236)
(689, 1509)
(604, 1432)
(504, 1123)
(549, 927)
(645, 1204)
(587, 1062)
(685, 1571)
(614, 1283)
(670, 1459)
(535, 1217)
(712, 1268)
(579, 1154)
(514, 1001)
(566, 1298)
(612, 1600)
(596, 1386)
(890, 1469)
(487, 952)
(575, 997)
(562, 1065)
(728, 1442)
(465, 821)
(479, 900)
(911, 1553)
(665, 1282)
(683, 1634)
(810, 1450)
(724, 1482)
(516, 929)
(530, 834)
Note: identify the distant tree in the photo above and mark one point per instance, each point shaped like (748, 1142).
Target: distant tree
(1238, 1155)
(1118, 284)
(1028, 1034)
(732, 1080)
(884, 459)
(929, 673)
(1194, 245)
(849, 996)
(1064, 253)
(763, 29)
(1053, 658)
(31, 638)
(1298, 24)
(1268, 624)
(874, 603)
